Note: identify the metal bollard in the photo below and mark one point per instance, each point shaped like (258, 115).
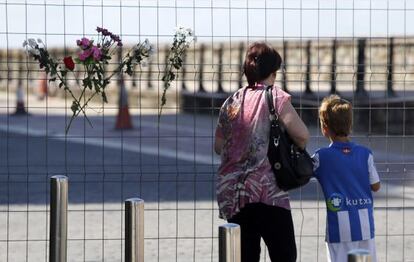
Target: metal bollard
(134, 230)
(359, 255)
(229, 243)
(58, 219)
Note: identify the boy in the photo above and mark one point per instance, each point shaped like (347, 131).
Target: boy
(347, 174)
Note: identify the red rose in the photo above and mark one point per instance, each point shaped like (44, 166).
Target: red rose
(69, 64)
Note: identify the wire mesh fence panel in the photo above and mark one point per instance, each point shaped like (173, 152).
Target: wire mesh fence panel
(125, 148)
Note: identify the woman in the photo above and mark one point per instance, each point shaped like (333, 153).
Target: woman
(247, 193)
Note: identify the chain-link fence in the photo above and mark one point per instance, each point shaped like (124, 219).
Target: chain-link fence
(362, 50)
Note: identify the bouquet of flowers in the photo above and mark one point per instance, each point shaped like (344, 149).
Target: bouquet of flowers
(182, 40)
(92, 58)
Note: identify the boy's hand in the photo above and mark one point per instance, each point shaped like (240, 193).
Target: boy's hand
(375, 187)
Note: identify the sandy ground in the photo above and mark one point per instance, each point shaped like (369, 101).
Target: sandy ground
(186, 230)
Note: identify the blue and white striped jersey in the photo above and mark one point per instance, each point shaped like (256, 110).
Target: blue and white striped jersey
(346, 171)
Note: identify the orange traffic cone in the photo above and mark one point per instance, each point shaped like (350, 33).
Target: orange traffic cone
(43, 87)
(123, 120)
(20, 109)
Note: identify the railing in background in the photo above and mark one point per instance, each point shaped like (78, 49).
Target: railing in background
(293, 52)
(318, 57)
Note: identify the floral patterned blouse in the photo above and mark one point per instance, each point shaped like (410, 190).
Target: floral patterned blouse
(245, 175)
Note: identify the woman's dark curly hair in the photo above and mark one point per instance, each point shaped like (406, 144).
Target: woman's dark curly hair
(261, 61)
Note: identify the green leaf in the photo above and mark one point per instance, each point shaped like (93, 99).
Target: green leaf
(105, 83)
(74, 107)
(89, 61)
(129, 69)
(97, 87)
(85, 82)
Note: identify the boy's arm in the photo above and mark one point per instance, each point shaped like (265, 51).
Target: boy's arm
(373, 174)
(315, 160)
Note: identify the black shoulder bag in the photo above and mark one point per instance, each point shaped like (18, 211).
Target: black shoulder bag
(292, 166)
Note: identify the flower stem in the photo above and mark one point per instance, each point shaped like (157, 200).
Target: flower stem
(63, 80)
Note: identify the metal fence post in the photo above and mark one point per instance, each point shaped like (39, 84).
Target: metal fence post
(220, 70)
(308, 68)
(241, 67)
(390, 65)
(359, 255)
(58, 219)
(1, 66)
(184, 72)
(229, 243)
(284, 73)
(134, 230)
(201, 69)
(333, 67)
(360, 74)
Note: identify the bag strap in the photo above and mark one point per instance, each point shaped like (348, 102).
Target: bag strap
(274, 117)
(275, 124)
(275, 127)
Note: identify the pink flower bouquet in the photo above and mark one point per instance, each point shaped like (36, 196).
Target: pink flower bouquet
(93, 56)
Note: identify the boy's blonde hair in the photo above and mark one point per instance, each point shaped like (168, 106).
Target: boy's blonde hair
(335, 113)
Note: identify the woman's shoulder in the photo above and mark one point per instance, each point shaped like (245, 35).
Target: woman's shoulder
(281, 99)
(236, 94)
(278, 91)
(231, 106)
(233, 97)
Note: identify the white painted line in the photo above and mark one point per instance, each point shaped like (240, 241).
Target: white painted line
(148, 150)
